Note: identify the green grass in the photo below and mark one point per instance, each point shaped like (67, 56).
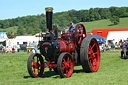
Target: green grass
(105, 24)
(113, 71)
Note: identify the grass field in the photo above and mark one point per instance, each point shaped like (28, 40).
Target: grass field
(113, 71)
(105, 24)
(10, 29)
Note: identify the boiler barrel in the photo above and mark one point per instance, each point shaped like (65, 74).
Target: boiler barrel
(66, 48)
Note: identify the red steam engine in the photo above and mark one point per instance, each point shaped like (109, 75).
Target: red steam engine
(62, 55)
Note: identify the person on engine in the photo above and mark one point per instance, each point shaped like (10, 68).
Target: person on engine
(72, 27)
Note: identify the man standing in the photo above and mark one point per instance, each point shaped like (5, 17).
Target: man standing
(72, 27)
(125, 48)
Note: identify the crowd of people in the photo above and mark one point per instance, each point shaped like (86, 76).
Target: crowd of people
(4, 49)
(17, 48)
(114, 45)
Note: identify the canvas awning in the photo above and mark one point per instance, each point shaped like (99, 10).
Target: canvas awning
(100, 39)
(117, 35)
(2, 39)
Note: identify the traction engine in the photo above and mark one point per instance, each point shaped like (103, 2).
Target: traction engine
(62, 55)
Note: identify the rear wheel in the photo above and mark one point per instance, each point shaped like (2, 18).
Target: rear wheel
(90, 55)
(65, 65)
(35, 65)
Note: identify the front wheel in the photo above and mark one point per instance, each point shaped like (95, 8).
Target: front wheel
(65, 65)
(35, 65)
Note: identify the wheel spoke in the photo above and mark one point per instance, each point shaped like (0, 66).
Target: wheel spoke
(90, 48)
(63, 67)
(90, 57)
(94, 62)
(67, 71)
(68, 59)
(90, 62)
(34, 63)
(93, 46)
(64, 61)
(33, 70)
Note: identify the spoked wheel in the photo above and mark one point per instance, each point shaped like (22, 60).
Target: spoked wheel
(80, 33)
(90, 54)
(65, 65)
(35, 65)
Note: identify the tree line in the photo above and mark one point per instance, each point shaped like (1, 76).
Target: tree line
(37, 23)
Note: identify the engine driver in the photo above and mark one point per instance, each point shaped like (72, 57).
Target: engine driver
(72, 27)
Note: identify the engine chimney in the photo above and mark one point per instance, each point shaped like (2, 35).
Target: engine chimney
(49, 18)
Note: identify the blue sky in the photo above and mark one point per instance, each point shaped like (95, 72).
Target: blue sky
(14, 8)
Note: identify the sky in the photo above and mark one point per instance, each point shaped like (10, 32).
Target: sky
(17, 8)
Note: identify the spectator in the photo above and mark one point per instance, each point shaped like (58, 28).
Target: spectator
(18, 47)
(3, 49)
(125, 46)
(35, 47)
(55, 30)
(7, 50)
(116, 45)
(1, 45)
(121, 44)
(13, 50)
(66, 29)
(112, 44)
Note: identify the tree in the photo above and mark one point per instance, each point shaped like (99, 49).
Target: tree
(36, 30)
(104, 13)
(91, 14)
(97, 16)
(115, 20)
(20, 30)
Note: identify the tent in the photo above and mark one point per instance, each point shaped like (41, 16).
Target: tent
(2, 39)
(100, 39)
(22, 39)
(117, 35)
(3, 36)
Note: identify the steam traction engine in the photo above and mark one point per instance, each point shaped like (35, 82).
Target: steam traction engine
(61, 55)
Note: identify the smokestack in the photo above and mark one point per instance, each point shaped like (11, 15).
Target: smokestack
(49, 18)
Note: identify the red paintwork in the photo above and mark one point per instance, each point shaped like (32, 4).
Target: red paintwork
(50, 64)
(46, 43)
(66, 46)
(104, 32)
(89, 33)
